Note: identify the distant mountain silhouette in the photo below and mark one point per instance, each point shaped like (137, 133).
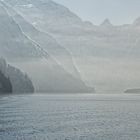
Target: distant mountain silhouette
(132, 91)
(106, 23)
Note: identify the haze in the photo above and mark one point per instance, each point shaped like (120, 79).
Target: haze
(118, 11)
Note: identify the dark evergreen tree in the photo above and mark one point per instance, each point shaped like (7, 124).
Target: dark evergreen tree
(10, 75)
(5, 84)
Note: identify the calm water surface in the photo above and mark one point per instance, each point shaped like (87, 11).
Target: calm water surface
(70, 117)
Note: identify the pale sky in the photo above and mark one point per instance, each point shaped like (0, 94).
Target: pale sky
(118, 11)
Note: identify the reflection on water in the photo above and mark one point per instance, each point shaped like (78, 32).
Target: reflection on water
(70, 117)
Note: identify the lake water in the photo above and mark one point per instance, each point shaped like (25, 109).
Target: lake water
(70, 117)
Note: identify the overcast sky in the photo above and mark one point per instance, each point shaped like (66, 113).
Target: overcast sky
(118, 11)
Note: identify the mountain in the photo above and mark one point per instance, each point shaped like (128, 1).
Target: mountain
(48, 44)
(137, 22)
(38, 12)
(106, 23)
(49, 65)
(14, 44)
(106, 56)
(13, 80)
(132, 91)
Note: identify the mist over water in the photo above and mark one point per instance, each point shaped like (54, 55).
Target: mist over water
(47, 48)
(70, 117)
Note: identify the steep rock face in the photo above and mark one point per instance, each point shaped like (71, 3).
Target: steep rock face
(33, 52)
(49, 44)
(52, 10)
(98, 52)
(17, 82)
(13, 43)
(74, 34)
(5, 84)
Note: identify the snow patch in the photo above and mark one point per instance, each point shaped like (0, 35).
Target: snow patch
(28, 5)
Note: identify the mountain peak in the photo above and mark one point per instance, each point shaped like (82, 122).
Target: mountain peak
(45, 1)
(137, 22)
(106, 23)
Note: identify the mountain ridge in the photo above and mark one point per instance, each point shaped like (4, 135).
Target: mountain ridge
(98, 53)
(53, 72)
